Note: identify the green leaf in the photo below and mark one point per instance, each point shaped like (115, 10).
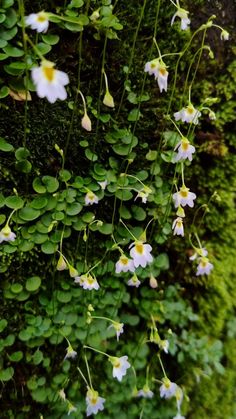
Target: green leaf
(3, 43)
(3, 325)
(75, 3)
(9, 34)
(39, 202)
(22, 153)
(13, 51)
(43, 48)
(4, 146)
(24, 166)
(51, 39)
(74, 208)
(7, 3)
(151, 155)
(106, 228)
(33, 283)
(38, 186)
(124, 195)
(11, 18)
(2, 18)
(90, 155)
(29, 214)
(4, 91)
(51, 183)
(49, 248)
(162, 261)
(16, 356)
(37, 357)
(14, 202)
(16, 288)
(65, 175)
(7, 374)
(134, 115)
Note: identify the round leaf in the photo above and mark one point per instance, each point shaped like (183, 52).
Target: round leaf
(33, 283)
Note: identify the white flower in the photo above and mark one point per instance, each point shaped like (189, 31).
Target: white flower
(145, 392)
(6, 234)
(164, 344)
(184, 197)
(86, 122)
(201, 252)
(178, 227)
(183, 15)
(185, 150)
(62, 394)
(224, 35)
(134, 281)
(103, 184)
(94, 402)
(50, 82)
(124, 264)
(119, 328)
(157, 68)
(70, 353)
(188, 114)
(87, 282)
(120, 366)
(212, 116)
(204, 266)
(167, 389)
(141, 253)
(38, 21)
(91, 198)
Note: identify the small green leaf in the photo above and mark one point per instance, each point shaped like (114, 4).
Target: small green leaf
(24, 166)
(13, 51)
(38, 186)
(90, 155)
(51, 183)
(50, 39)
(151, 155)
(134, 115)
(22, 153)
(43, 48)
(14, 202)
(49, 248)
(7, 374)
(4, 146)
(28, 213)
(4, 91)
(39, 202)
(16, 288)
(74, 208)
(16, 356)
(3, 325)
(33, 283)
(75, 3)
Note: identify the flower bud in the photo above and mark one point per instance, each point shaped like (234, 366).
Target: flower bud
(108, 100)
(180, 212)
(61, 264)
(153, 282)
(86, 122)
(224, 35)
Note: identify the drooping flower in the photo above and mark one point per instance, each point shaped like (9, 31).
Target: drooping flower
(71, 408)
(141, 253)
(124, 264)
(6, 234)
(188, 114)
(204, 267)
(103, 184)
(94, 402)
(62, 394)
(61, 264)
(86, 122)
(38, 21)
(72, 271)
(224, 35)
(143, 194)
(167, 389)
(91, 198)
(87, 282)
(153, 282)
(119, 328)
(145, 392)
(185, 150)
(108, 100)
(199, 252)
(179, 397)
(70, 353)
(178, 227)
(184, 197)
(50, 82)
(120, 366)
(164, 344)
(157, 68)
(183, 15)
(134, 281)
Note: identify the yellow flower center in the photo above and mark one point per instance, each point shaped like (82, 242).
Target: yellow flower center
(153, 65)
(117, 364)
(90, 279)
(124, 260)
(49, 73)
(184, 193)
(162, 71)
(93, 400)
(139, 248)
(185, 144)
(190, 110)
(91, 195)
(41, 18)
(179, 223)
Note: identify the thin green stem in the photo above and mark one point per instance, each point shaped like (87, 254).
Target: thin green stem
(96, 350)
(88, 371)
(162, 366)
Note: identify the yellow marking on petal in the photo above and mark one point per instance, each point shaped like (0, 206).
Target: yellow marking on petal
(41, 18)
(190, 110)
(124, 260)
(179, 224)
(90, 195)
(185, 145)
(49, 73)
(163, 72)
(139, 248)
(184, 194)
(153, 65)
